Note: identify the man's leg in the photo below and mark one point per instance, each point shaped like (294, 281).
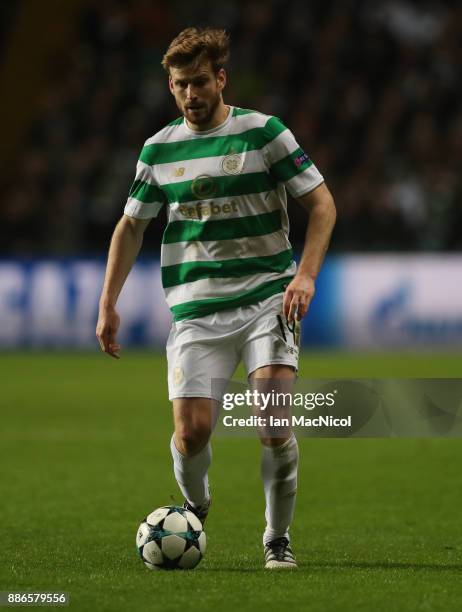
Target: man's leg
(193, 420)
(278, 468)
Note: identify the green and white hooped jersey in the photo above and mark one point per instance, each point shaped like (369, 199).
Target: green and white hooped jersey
(226, 242)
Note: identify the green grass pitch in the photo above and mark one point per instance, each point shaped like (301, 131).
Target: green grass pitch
(85, 456)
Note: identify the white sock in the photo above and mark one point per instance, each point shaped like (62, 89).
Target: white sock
(279, 472)
(191, 474)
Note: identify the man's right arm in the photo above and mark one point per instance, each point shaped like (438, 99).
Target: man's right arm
(125, 245)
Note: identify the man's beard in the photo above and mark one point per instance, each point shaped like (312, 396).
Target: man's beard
(207, 113)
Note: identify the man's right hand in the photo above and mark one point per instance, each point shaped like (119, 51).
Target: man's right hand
(106, 331)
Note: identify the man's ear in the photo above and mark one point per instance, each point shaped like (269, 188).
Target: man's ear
(221, 78)
(170, 84)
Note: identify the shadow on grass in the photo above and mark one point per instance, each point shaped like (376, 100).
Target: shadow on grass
(371, 565)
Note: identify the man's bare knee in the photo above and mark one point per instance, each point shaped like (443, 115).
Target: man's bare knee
(191, 441)
(193, 419)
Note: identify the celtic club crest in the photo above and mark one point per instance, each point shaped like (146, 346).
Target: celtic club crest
(232, 164)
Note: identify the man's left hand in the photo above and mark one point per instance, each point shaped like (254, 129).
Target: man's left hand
(297, 297)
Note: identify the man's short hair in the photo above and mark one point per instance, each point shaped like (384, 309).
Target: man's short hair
(194, 46)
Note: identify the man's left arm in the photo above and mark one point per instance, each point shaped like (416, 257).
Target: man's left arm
(320, 206)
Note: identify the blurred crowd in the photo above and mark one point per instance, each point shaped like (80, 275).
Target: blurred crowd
(371, 90)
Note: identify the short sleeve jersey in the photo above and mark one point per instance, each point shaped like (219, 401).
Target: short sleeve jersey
(226, 242)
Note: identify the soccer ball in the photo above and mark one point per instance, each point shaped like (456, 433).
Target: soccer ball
(171, 537)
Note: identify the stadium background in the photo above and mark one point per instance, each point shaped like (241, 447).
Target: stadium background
(372, 92)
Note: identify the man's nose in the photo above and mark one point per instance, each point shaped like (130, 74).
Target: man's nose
(190, 92)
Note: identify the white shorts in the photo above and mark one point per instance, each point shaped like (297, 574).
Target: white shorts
(210, 348)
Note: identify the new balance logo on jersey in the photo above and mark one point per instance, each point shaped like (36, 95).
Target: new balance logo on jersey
(178, 171)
